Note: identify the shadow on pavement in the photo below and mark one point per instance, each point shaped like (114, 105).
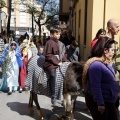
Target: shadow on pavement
(81, 112)
(81, 107)
(22, 109)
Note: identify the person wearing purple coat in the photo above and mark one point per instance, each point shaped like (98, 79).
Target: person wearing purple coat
(101, 87)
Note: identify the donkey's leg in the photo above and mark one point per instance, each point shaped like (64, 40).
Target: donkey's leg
(74, 97)
(68, 106)
(64, 100)
(73, 101)
(30, 106)
(39, 111)
(63, 117)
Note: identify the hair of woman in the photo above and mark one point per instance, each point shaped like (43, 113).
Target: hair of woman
(99, 32)
(102, 43)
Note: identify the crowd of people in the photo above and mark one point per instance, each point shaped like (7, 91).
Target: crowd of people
(15, 57)
(99, 74)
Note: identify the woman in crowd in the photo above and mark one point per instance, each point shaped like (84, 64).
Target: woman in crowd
(26, 55)
(11, 61)
(100, 85)
(33, 48)
(100, 33)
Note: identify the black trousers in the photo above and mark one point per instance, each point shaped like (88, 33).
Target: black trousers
(52, 81)
(110, 109)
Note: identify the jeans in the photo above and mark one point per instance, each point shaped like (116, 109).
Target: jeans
(52, 81)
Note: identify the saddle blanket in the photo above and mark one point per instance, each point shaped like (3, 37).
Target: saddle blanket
(37, 79)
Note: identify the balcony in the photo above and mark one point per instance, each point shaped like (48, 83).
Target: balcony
(64, 10)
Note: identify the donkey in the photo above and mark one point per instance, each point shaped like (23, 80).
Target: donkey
(72, 88)
(37, 81)
(69, 81)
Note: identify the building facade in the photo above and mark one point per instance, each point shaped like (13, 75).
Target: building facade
(3, 23)
(86, 17)
(20, 20)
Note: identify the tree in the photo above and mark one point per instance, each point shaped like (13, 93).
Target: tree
(9, 17)
(43, 11)
(2, 4)
(54, 22)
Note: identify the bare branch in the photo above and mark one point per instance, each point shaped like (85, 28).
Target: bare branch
(50, 17)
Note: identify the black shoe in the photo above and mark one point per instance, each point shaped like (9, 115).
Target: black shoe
(54, 104)
(20, 91)
(13, 91)
(9, 93)
(53, 101)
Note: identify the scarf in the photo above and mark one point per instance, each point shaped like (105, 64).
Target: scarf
(85, 70)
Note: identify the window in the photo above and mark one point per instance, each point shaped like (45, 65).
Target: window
(12, 22)
(12, 6)
(22, 7)
(22, 21)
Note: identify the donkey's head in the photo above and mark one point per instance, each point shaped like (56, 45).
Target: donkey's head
(73, 77)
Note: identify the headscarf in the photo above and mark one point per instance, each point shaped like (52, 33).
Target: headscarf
(18, 54)
(24, 43)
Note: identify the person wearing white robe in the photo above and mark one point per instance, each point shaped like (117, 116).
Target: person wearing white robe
(11, 61)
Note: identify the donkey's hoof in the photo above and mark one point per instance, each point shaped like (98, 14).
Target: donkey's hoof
(62, 117)
(42, 118)
(40, 114)
(31, 111)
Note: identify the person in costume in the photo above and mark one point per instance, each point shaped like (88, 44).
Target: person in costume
(26, 55)
(11, 61)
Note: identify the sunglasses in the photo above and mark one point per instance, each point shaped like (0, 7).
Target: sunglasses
(13, 44)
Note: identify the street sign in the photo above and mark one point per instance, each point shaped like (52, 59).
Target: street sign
(3, 15)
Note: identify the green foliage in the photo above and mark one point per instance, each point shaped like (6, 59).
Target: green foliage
(54, 22)
(3, 4)
(31, 10)
(35, 12)
(43, 12)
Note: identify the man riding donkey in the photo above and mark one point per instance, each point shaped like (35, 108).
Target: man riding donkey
(50, 79)
(54, 56)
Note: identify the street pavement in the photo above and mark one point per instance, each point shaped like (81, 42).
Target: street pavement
(15, 107)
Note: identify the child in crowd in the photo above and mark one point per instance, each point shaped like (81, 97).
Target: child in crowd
(11, 60)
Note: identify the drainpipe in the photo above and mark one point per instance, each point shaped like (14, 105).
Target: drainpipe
(0, 17)
(85, 23)
(104, 14)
